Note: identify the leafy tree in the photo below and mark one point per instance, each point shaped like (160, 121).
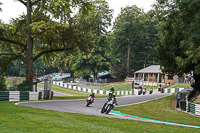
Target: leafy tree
(126, 29)
(99, 58)
(179, 46)
(120, 68)
(135, 38)
(49, 27)
(2, 82)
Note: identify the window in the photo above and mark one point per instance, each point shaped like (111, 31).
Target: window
(170, 77)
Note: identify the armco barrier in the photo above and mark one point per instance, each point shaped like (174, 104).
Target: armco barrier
(19, 95)
(172, 90)
(70, 86)
(133, 92)
(194, 108)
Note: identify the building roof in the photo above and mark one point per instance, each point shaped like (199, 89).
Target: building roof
(150, 69)
(101, 74)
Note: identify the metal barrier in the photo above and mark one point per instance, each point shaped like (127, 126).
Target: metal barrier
(97, 91)
(19, 95)
(194, 108)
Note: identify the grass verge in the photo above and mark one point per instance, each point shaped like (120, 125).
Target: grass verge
(180, 85)
(160, 109)
(75, 93)
(122, 87)
(19, 119)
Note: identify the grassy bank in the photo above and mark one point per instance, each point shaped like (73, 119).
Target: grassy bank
(18, 119)
(160, 109)
(180, 85)
(122, 87)
(14, 80)
(75, 94)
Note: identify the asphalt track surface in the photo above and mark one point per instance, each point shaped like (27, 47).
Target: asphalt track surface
(79, 106)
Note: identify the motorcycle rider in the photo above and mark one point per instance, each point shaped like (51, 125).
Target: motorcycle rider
(92, 96)
(112, 95)
(111, 92)
(115, 101)
(151, 90)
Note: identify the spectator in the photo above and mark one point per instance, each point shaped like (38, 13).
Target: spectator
(186, 79)
(159, 87)
(168, 84)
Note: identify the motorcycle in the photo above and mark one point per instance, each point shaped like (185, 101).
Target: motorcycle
(89, 101)
(108, 106)
(144, 91)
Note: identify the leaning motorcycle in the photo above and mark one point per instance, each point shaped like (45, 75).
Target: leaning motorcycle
(108, 106)
(89, 101)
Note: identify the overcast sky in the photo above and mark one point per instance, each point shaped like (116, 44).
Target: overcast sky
(13, 9)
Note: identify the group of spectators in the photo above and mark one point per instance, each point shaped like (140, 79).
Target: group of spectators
(188, 78)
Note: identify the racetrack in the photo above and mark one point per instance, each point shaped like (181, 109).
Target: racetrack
(79, 106)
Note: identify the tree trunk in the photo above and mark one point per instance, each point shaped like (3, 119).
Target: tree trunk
(95, 76)
(29, 48)
(128, 59)
(129, 49)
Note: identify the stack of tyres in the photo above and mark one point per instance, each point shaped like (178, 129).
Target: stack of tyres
(4, 96)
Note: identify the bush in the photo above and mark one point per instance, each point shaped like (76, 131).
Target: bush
(25, 86)
(3, 86)
(13, 86)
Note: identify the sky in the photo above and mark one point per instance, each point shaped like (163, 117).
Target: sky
(13, 9)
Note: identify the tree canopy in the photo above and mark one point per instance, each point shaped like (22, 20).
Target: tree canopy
(99, 57)
(179, 46)
(49, 27)
(134, 39)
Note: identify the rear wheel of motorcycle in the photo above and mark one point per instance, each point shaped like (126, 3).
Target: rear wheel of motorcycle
(109, 109)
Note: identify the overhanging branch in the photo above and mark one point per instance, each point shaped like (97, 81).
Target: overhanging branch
(23, 2)
(50, 51)
(13, 42)
(35, 2)
(11, 56)
(19, 26)
(8, 54)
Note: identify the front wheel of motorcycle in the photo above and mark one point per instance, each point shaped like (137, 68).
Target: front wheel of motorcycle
(109, 109)
(87, 105)
(103, 108)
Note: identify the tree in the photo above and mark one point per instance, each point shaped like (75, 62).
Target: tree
(179, 46)
(49, 27)
(2, 82)
(135, 38)
(126, 29)
(99, 57)
(98, 60)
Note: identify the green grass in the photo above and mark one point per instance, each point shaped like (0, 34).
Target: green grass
(19, 119)
(75, 93)
(180, 85)
(14, 80)
(122, 87)
(160, 109)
